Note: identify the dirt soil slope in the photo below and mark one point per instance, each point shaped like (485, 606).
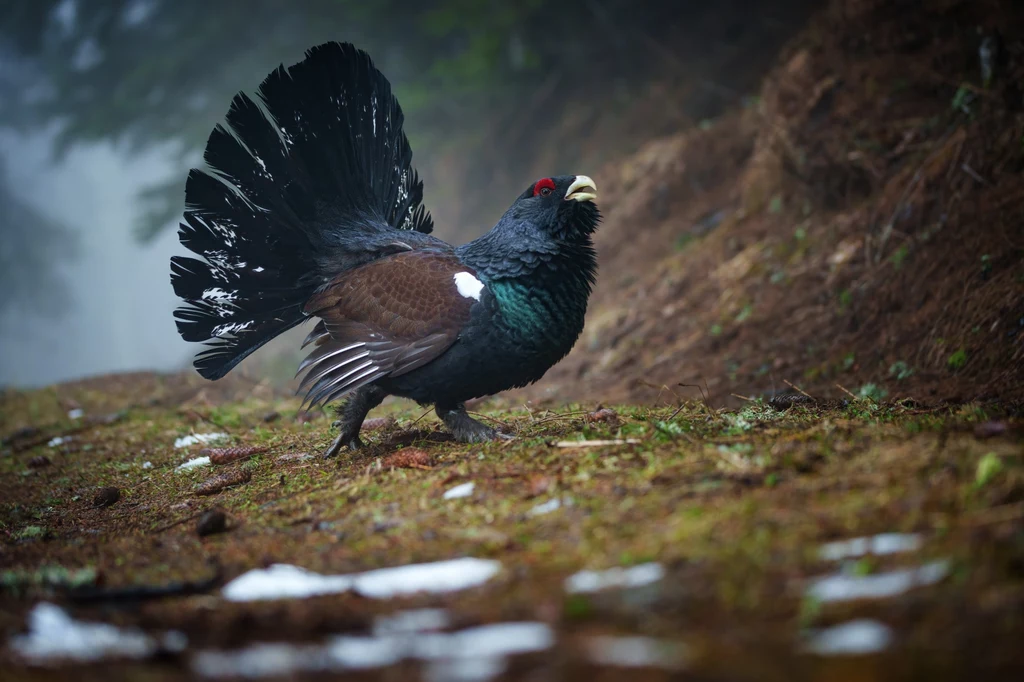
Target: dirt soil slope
(861, 224)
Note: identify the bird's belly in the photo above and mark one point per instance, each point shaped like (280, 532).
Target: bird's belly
(474, 368)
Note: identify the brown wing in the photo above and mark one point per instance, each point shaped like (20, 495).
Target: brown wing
(385, 318)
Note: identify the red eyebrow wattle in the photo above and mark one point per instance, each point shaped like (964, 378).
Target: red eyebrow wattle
(541, 184)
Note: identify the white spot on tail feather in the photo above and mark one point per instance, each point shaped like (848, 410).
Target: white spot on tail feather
(468, 285)
(218, 294)
(222, 330)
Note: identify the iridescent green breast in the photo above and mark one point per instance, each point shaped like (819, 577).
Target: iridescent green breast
(541, 316)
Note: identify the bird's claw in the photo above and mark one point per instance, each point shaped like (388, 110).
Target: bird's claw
(352, 442)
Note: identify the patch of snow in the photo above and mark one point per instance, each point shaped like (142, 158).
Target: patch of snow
(193, 463)
(55, 636)
(845, 587)
(547, 507)
(884, 543)
(147, 465)
(634, 576)
(497, 639)
(76, 413)
(462, 490)
(636, 652)
(407, 622)
(58, 441)
(194, 438)
(261, 660)
(474, 654)
(857, 637)
(283, 581)
(468, 285)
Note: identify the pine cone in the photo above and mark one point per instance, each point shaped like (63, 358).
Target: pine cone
(228, 455)
(214, 485)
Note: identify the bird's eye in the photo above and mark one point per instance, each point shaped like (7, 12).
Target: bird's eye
(544, 187)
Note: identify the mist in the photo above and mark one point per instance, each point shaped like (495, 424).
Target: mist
(118, 313)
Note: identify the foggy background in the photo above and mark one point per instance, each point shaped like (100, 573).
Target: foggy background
(104, 105)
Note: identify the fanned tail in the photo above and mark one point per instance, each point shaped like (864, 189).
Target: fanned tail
(295, 194)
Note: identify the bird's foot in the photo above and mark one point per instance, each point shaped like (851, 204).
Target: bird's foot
(350, 418)
(343, 439)
(465, 428)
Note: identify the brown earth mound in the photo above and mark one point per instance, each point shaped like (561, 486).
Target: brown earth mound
(859, 227)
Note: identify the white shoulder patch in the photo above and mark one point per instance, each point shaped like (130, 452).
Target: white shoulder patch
(468, 285)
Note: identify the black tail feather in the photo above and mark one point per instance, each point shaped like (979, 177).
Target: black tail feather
(290, 200)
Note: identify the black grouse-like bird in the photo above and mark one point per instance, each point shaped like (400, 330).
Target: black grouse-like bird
(311, 209)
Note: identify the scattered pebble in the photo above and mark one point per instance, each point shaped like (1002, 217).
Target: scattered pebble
(884, 543)
(990, 429)
(538, 484)
(602, 414)
(463, 490)
(214, 485)
(58, 441)
(76, 413)
(20, 434)
(377, 423)
(39, 462)
(306, 416)
(212, 522)
(857, 637)
(195, 438)
(106, 497)
(193, 463)
(634, 576)
(228, 455)
(407, 458)
(283, 581)
(271, 416)
(147, 465)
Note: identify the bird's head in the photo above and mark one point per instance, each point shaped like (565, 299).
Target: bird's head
(561, 206)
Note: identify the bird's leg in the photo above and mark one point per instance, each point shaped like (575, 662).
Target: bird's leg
(351, 415)
(463, 427)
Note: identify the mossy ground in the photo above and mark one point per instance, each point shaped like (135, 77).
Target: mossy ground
(733, 504)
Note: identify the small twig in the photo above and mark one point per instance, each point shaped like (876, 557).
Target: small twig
(743, 397)
(704, 393)
(420, 417)
(594, 443)
(843, 389)
(798, 389)
(168, 526)
(559, 417)
(490, 419)
(970, 171)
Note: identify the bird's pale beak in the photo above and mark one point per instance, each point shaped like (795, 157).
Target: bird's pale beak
(581, 189)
